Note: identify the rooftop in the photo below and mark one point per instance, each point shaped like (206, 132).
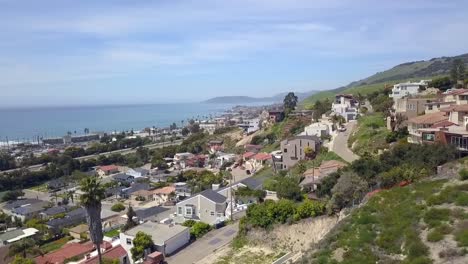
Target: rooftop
(248, 155)
(160, 233)
(455, 108)
(164, 190)
(262, 156)
(116, 252)
(80, 229)
(109, 168)
(213, 196)
(67, 251)
(429, 119)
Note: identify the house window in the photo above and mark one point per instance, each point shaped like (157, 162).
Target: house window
(212, 213)
(188, 210)
(129, 241)
(179, 210)
(219, 214)
(285, 150)
(430, 107)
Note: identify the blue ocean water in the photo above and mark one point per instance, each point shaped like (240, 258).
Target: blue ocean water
(24, 124)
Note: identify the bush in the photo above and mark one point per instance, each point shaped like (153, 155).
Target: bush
(199, 229)
(461, 237)
(463, 174)
(462, 199)
(189, 223)
(434, 216)
(118, 207)
(435, 236)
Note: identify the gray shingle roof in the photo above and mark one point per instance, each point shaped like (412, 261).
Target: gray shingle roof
(11, 234)
(213, 196)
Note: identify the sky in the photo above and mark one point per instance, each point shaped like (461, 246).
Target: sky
(67, 52)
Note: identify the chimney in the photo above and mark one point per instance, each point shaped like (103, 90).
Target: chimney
(215, 186)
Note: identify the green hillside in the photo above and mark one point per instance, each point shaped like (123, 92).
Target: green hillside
(404, 72)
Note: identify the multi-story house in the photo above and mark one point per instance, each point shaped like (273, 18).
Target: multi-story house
(292, 150)
(346, 106)
(400, 90)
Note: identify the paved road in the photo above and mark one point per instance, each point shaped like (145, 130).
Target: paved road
(205, 245)
(340, 143)
(121, 151)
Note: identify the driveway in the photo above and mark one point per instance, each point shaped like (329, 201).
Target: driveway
(340, 143)
(205, 245)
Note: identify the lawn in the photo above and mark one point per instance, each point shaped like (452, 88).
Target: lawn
(40, 188)
(370, 135)
(54, 245)
(112, 233)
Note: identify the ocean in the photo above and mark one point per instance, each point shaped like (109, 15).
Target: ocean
(24, 124)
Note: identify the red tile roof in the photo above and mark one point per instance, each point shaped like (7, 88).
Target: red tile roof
(113, 253)
(248, 155)
(444, 123)
(67, 251)
(164, 190)
(262, 156)
(109, 168)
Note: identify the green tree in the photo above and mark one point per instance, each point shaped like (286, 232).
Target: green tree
(24, 247)
(290, 102)
(199, 229)
(12, 195)
(93, 194)
(21, 260)
(288, 188)
(457, 72)
(141, 243)
(349, 190)
(130, 215)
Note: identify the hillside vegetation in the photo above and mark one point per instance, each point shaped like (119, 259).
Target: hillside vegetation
(425, 222)
(416, 70)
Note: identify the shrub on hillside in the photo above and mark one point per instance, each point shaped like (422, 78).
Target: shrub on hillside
(463, 174)
(118, 207)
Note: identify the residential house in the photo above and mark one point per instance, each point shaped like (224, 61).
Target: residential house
(197, 161)
(318, 129)
(400, 90)
(138, 172)
(423, 121)
(207, 206)
(144, 195)
(259, 160)
(107, 170)
(72, 218)
(253, 148)
(164, 194)
(208, 127)
(67, 251)
(248, 155)
(53, 211)
(276, 116)
(9, 207)
(292, 150)
(181, 158)
(148, 214)
(250, 125)
(302, 112)
(411, 106)
(182, 189)
(57, 184)
(436, 106)
(135, 187)
(79, 232)
(346, 106)
(15, 235)
(225, 158)
(28, 211)
(166, 238)
(114, 253)
(124, 178)
(313, 176)
(215, 146)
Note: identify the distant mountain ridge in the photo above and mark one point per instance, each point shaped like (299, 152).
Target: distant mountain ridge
(248, 99)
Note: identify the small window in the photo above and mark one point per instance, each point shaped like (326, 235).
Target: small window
(129, 241)
(188, 210)
(212, 213)
(285, 150)
(179, 210)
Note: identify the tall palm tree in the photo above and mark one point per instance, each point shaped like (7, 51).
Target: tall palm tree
(23, 248)
(93, 194)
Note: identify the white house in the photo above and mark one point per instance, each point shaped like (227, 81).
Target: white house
(408, 88)
(316, 129)
(138, 172)
(346, 106)
(250, 125)
(181, 158)
(208, 127)
(166, 237)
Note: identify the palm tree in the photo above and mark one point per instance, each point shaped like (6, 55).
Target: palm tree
(93, 194)
(23, 248)
(71, 195)
(86, 130)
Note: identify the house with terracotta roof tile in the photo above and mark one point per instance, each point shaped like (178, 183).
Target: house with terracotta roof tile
(107, 170)
(113, 253)
(423, 121)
